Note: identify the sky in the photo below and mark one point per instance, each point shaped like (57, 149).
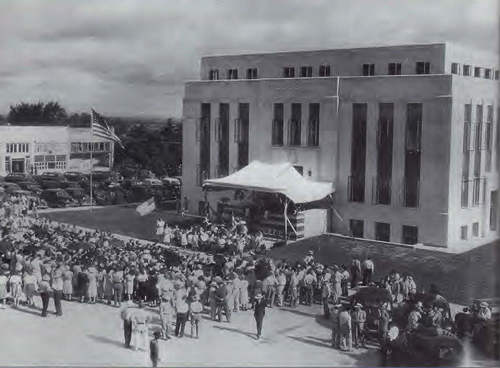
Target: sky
(132, 57)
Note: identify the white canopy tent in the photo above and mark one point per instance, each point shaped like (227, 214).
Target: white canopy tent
(274, 178)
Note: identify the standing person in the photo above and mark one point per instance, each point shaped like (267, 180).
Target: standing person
(383, 326)
(334, 316)
(44, 289)
(154, 349)
(83, 283)
(92, 286)
(243, 293)
(281, 287)
(344, 283)
(195, 309)
(57, 287)
(165, 313)
(309, 281)
(160, 229)
(358, 325)
(355, 272)
(108, 286)
(345, 330)
(221, 300)
(140, 320)
(259, 312)
(126, 316)
(129, 284)
(15, 283)
(212, 300)
(337, 285)
(294, 285)
(67, 283)
(117, 286)
(30, 286)
(325, 296)
(368, 270)
(4, 280)
(181, 308)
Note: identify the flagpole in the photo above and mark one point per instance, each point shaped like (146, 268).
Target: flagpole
(91, 159)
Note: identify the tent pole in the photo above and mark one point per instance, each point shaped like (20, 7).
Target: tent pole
(286, 220)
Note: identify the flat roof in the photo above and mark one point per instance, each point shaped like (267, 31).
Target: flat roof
(341, 49)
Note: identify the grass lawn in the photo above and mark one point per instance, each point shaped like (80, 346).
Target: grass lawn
(460, 277)
(122, 220)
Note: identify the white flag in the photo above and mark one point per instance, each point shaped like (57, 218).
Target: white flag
(146, 207)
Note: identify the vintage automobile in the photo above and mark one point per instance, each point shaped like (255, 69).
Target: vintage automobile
(57, 198)
(18, 177)
(52, 180)
(31, 186)
(10, 187)
(440, 345)
(80, 196)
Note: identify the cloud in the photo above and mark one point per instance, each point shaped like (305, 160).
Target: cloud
(131, 57)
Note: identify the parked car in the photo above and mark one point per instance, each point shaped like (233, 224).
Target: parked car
(52, 180)
(31, 186)
(18, 177)
(57, 197)
(153, 182)
(10, 187)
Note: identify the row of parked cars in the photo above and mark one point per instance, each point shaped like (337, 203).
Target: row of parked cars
(73, 188)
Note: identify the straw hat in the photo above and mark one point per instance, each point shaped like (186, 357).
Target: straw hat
(259, 296)
(484, 305)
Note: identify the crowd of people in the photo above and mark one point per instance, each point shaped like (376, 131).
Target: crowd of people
(224, 271)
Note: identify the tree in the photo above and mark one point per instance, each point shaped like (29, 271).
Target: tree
(25, 113)
(77, 120)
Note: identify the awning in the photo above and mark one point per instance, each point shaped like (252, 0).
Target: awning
(274, 178)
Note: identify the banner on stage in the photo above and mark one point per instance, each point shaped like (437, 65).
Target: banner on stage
(147, 207)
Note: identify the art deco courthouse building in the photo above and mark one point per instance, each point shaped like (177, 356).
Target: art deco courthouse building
(407, 134)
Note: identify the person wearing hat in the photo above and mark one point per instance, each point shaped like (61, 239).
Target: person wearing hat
(126, 316)
(259, 312)
(57, 287)
(345, 329)
(44, 289)
(358, 325)
(195, 309)
(309, 258)
(334, 317)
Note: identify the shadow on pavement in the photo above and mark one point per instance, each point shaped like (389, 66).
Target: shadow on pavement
(106, 340)
(235, 330)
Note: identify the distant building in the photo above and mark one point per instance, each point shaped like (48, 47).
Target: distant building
(408, 135)
(39, 149)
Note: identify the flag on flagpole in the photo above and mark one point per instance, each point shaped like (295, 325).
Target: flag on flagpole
(147, 207)
(100, 128)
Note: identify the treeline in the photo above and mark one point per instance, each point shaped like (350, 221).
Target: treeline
(149, 143)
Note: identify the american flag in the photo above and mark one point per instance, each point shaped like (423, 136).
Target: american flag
(100, 128)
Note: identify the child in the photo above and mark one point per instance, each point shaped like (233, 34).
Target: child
(15, 282)
(154, 349)
(195, 310)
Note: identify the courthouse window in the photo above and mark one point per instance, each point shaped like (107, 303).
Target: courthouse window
(466, 70)
(289, 72)
(394, 69)
(324, 70)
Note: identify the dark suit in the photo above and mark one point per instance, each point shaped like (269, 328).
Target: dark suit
(259, 313)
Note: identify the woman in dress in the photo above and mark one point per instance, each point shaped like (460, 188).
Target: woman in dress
(30, 286)
(92, 285)
(167, 235)
(243, 292)
(101, 282)
(129, 284)
(3, 284)
(67, 283)
(16, 289)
